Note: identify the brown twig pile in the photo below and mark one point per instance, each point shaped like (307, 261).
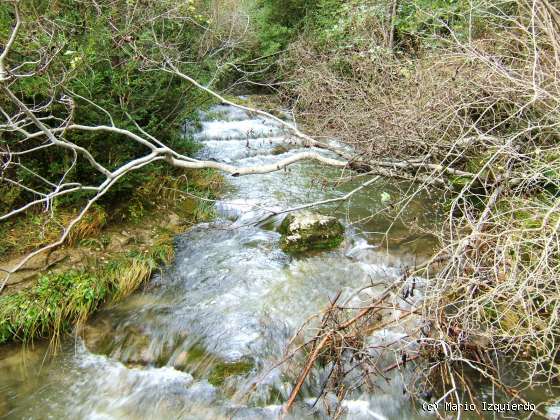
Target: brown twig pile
(342, 342)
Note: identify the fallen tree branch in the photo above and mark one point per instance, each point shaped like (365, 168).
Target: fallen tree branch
(4, 76)
(326, 337)
(309, 141)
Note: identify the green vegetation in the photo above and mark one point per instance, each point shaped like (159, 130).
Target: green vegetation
(65, 297)
(60, 300)
(102, 57)
(161, 189)
(55, 300)
(97, 65)
(461, 96)
(224, 370)
(102, 52)
(336, 28)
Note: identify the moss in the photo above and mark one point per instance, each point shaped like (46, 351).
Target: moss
(196, 360)
(323, 244)
(527, 219)
(224, 370)
(200, 363)
(330, 243)
(196, 354)
(323, 235)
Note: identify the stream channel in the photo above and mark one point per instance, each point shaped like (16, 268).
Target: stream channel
(209, 328)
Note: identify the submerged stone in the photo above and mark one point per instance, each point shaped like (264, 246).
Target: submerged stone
(224, 370)
(305, 231)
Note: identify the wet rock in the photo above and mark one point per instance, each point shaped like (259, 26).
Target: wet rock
(4, 405)
(97, 335)
(279, 149)
(137, 351)
(202, 392)
(180, 361)
(173, 220)
(224, 370)
(250, 413)
(119, 242)
(304, 231)
(130, 345)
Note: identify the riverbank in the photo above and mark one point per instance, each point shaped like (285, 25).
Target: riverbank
(84, 76)
(111, 254)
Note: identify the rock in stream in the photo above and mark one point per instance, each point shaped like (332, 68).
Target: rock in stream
(305, 231)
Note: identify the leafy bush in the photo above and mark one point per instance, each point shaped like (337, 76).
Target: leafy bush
(102, 52)
(278, 22)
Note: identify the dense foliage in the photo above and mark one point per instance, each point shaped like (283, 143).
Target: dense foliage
(336, 25)
(100, 63)
(106, 53)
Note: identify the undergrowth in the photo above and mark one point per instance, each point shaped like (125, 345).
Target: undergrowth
(35, 229)
(58, 301)
(63, 298)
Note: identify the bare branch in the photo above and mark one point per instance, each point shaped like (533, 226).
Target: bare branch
(4, 75)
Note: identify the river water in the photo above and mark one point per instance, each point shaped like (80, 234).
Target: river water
(202, 339)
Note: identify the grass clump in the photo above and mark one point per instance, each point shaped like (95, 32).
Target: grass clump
(126, 274)
(51, 306)
(34, 230)
(58, 301)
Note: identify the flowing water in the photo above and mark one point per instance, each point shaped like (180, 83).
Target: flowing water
(202, 339)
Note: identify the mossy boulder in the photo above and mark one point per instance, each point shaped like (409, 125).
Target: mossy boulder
(305, 231)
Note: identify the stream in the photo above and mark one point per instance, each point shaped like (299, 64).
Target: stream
(202, 339)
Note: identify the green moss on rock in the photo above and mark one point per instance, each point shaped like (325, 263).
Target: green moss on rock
(224, 370)
(306, 231)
